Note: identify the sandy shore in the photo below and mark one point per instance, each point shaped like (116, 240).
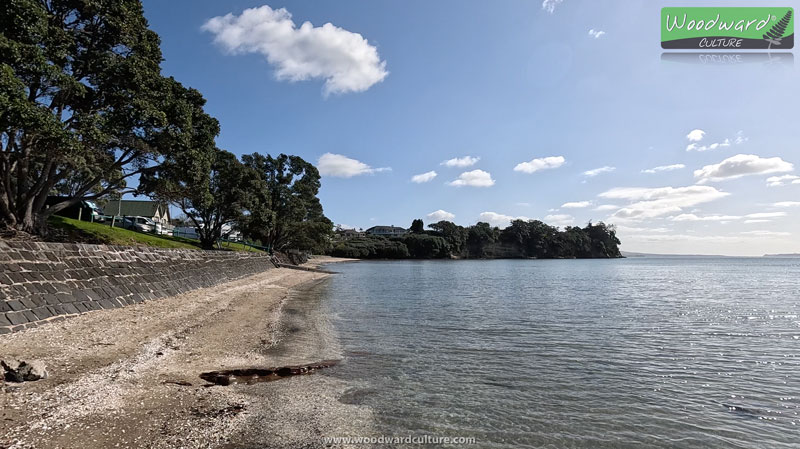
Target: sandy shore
(115, 375)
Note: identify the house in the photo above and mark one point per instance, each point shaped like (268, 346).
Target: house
(154, 210)
(386, 231)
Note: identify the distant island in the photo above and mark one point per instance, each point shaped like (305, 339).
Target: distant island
(782, 255)
(447, 240)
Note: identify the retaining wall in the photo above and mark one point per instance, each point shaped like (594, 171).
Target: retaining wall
(42, 282)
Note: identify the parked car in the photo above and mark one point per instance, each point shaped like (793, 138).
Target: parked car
(141, 224)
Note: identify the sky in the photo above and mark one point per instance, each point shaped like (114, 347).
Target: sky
(564, 111)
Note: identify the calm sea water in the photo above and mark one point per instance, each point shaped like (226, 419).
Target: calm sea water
(643, 352)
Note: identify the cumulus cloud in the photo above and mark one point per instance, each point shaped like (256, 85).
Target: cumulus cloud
(440, 215)
(777, 181)
(597, 171)
(596, 34)
(474, 178)
(499, 220)
(461, 162)
(696, 135)
(576, 204)
(550, 5)
(423, 177)
(545, 163)
(742, 165)
(787, 204)
(345, 60)
(559, 219)
(340, 166)
(661, 168)
(659, 201)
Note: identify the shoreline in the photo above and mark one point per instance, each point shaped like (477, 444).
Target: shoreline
(130, 376)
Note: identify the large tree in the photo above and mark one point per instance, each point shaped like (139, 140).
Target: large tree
(214, 193)
(294, 218)
(83, 105)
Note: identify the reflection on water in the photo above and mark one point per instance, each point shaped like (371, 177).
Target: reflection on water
(578, 353)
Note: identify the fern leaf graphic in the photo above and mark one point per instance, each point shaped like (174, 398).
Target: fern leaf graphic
(775, 33)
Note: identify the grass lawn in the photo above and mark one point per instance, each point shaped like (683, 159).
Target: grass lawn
(103, 233)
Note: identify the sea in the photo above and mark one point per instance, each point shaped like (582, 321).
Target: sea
(638, 352)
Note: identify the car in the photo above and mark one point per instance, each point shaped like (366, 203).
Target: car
(141, 224)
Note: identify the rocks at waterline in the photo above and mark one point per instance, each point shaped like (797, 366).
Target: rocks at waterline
(22, 371)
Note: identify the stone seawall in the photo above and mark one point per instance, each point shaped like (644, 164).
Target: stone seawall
(42, 282)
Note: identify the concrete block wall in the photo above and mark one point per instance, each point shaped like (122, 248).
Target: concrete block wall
(43, 282)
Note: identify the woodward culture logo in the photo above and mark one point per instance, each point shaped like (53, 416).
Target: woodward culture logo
(727, 28)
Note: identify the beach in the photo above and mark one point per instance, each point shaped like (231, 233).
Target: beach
(129, 377)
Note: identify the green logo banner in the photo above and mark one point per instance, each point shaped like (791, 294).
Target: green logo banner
(721, 28)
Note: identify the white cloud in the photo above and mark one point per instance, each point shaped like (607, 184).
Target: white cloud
(550, 5)
(696, 135)
(474, 178)
(638, 230)
(499, 220)
(596, 34)
(737, 140)
(766, 233)
(545, 163)
(742, 165)
(787, 204)
(661, 168)
(576, 204)
(596, 171)
(340, 166)
(440, 215)
(756, 221)
(606, 207)
(766, 215)
(777, 181)
(719, 218)
(713, 146)
(423, 177)
(559, 220)
(659, 201)
(461, 162)
(345, 60)
(727, 218)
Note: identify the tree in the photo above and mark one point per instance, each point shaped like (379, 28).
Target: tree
(293, 217)
(213, 193)
(455, 235)
(417, 226)
(83, 104)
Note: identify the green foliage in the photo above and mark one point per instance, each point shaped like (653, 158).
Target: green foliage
(423, 246)
(455, 235)
(290, 215)
(371, 248)
(417, 226)
(533, 239)
(84, 105)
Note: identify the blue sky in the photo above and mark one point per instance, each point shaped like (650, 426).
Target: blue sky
(391, 90)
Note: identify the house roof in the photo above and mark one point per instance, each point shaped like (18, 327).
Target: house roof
(135, 208)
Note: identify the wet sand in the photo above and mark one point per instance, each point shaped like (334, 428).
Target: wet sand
(120, 377)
